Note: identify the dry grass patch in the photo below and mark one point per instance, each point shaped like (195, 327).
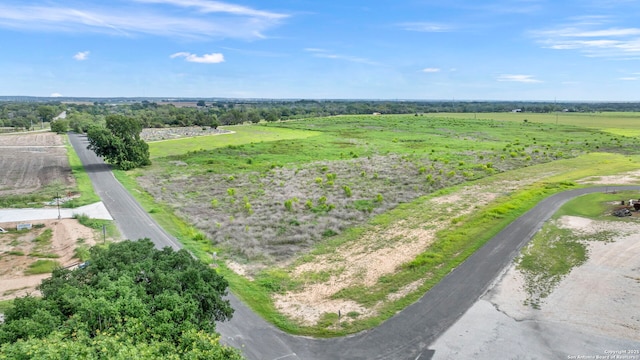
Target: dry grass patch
(629, 178)
(377, 253)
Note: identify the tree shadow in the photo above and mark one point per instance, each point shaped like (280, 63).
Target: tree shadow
(92, 168)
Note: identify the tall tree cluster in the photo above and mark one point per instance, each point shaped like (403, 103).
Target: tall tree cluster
(131, 301)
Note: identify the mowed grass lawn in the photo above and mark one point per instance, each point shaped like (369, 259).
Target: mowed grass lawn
(241, 135)
(282, 192)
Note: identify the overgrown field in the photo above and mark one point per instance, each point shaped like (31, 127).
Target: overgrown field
(267, 201)
(368, 213)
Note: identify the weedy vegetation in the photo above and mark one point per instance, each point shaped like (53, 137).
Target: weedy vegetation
(275, 203)
(41, 267)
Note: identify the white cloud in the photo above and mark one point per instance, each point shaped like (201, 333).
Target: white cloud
(430, 70)
(593, 37)
(56, 95)
(322, 53)
(518, 78)
(81, 56)
(213, 58)
(200, 19)
(425, 27)
(629, 78)
(218, 7)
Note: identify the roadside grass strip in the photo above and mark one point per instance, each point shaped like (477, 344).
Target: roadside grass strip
(83, 182)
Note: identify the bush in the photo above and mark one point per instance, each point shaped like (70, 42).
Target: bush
(288, 204)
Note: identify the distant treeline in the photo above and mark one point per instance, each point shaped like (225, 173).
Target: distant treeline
(23, 114)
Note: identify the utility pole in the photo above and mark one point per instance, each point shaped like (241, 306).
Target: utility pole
(58, 201)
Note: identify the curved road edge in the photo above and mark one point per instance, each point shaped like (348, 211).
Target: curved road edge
(407, 335)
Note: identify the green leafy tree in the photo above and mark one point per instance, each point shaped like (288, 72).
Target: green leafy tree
(80, 122)
(131, 300)
(60, 126)
(47, 112)
(119, 142)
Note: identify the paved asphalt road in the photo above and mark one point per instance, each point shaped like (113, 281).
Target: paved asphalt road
(132, 221)
(407, 335)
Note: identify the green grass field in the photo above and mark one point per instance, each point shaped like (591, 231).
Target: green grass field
(619, 123)
(293, 191)
(241, 135)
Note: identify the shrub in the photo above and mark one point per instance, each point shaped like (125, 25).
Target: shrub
(329, 233)
(288, 204)
(247, 208)
(81, 253)
(89, 222)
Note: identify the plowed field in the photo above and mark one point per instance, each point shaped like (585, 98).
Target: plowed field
(29, 162)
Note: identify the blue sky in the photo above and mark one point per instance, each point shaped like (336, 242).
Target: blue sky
(413, 49)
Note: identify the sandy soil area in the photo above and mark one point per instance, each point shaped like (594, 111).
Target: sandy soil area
(377, 253)
(15, 250)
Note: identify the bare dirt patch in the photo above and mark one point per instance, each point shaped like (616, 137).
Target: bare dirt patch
(17, 250)
(30, 162)
(596, 297)
(629, 178)
(377, 253)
